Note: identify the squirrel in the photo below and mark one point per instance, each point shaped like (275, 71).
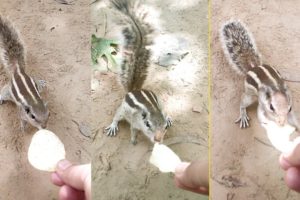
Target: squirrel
(21, 88)
(140, 107)
(263, 83)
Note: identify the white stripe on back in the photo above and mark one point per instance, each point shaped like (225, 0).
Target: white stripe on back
(34, 85)
(135, 101)
(255, 78)
(153, 97)
(21, 97)
(269, 76)
(146, 97)
(25, 84)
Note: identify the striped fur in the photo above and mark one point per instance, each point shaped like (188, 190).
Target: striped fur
(140, 107)
(265, 75)
(12, 51)
(239, 46)
(137, 34)
(22, 88)
(143, 99)
(262, 81)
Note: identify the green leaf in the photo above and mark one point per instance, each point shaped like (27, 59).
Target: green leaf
(104, 49)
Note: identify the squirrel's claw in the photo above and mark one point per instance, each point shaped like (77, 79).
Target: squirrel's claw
(243, 120)
(112, 130)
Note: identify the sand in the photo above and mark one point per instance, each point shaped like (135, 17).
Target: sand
(57, 39)
(121, 170)
(244, 166)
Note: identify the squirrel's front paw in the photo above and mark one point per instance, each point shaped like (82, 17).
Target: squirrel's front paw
(41, 84)
(169, 122)
(133, 141)
(243, 120)
(112, 130)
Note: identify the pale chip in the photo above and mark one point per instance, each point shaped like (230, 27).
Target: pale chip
(164, 158)
(279, 136)
(45, 150)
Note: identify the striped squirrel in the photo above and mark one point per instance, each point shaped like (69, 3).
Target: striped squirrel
(21, 89)
(140, 107)
(262, 82)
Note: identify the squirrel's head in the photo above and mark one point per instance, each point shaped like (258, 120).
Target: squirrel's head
(147, 114)
(154, 125)
(276, 105)
(36, 115)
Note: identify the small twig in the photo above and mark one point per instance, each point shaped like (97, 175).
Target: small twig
(288, 194)
(294, 81)
(185, 139)
(94, 2)
(262, 142)
(105, 24)
(95, 135)
(230, 182)
(84, 129)
(230, 196)
(64, 2)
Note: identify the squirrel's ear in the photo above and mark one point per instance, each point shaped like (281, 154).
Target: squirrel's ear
(26, 108)
(265, 93)
(144, 115)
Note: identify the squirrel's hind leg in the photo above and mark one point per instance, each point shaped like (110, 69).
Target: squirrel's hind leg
(133, 136)
(169, 122)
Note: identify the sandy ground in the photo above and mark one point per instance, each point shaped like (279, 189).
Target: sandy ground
(244, 167)
(121, 170)
(57, 41)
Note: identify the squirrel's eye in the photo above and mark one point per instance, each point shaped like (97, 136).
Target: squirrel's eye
(271, 107)
(32, 116)
(290, 109)
(147, 124)
(27, 110)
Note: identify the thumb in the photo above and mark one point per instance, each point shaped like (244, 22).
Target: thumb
(76, 176)
(293, 157)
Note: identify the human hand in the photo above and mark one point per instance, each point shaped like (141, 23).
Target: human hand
(192, 176)
(290, 162)
(74, 181)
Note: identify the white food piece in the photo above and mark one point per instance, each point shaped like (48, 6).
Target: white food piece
(164, 158)
(279, 136)
(45, 151)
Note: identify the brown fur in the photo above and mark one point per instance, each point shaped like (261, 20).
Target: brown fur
(137, 35)
(239, 46)
(11, 45)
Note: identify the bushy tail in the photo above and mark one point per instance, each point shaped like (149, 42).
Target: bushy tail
(137, 36)
(11, 46)
(239, 46)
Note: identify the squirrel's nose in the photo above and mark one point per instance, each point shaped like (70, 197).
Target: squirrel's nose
(281, 121)
(157, 139)
(159, 136)
(44, 126)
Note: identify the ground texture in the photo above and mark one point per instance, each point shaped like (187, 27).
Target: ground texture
(57, 42)
(121, 170)
(244, 166)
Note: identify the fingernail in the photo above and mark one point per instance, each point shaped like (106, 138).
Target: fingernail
(62, 165)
